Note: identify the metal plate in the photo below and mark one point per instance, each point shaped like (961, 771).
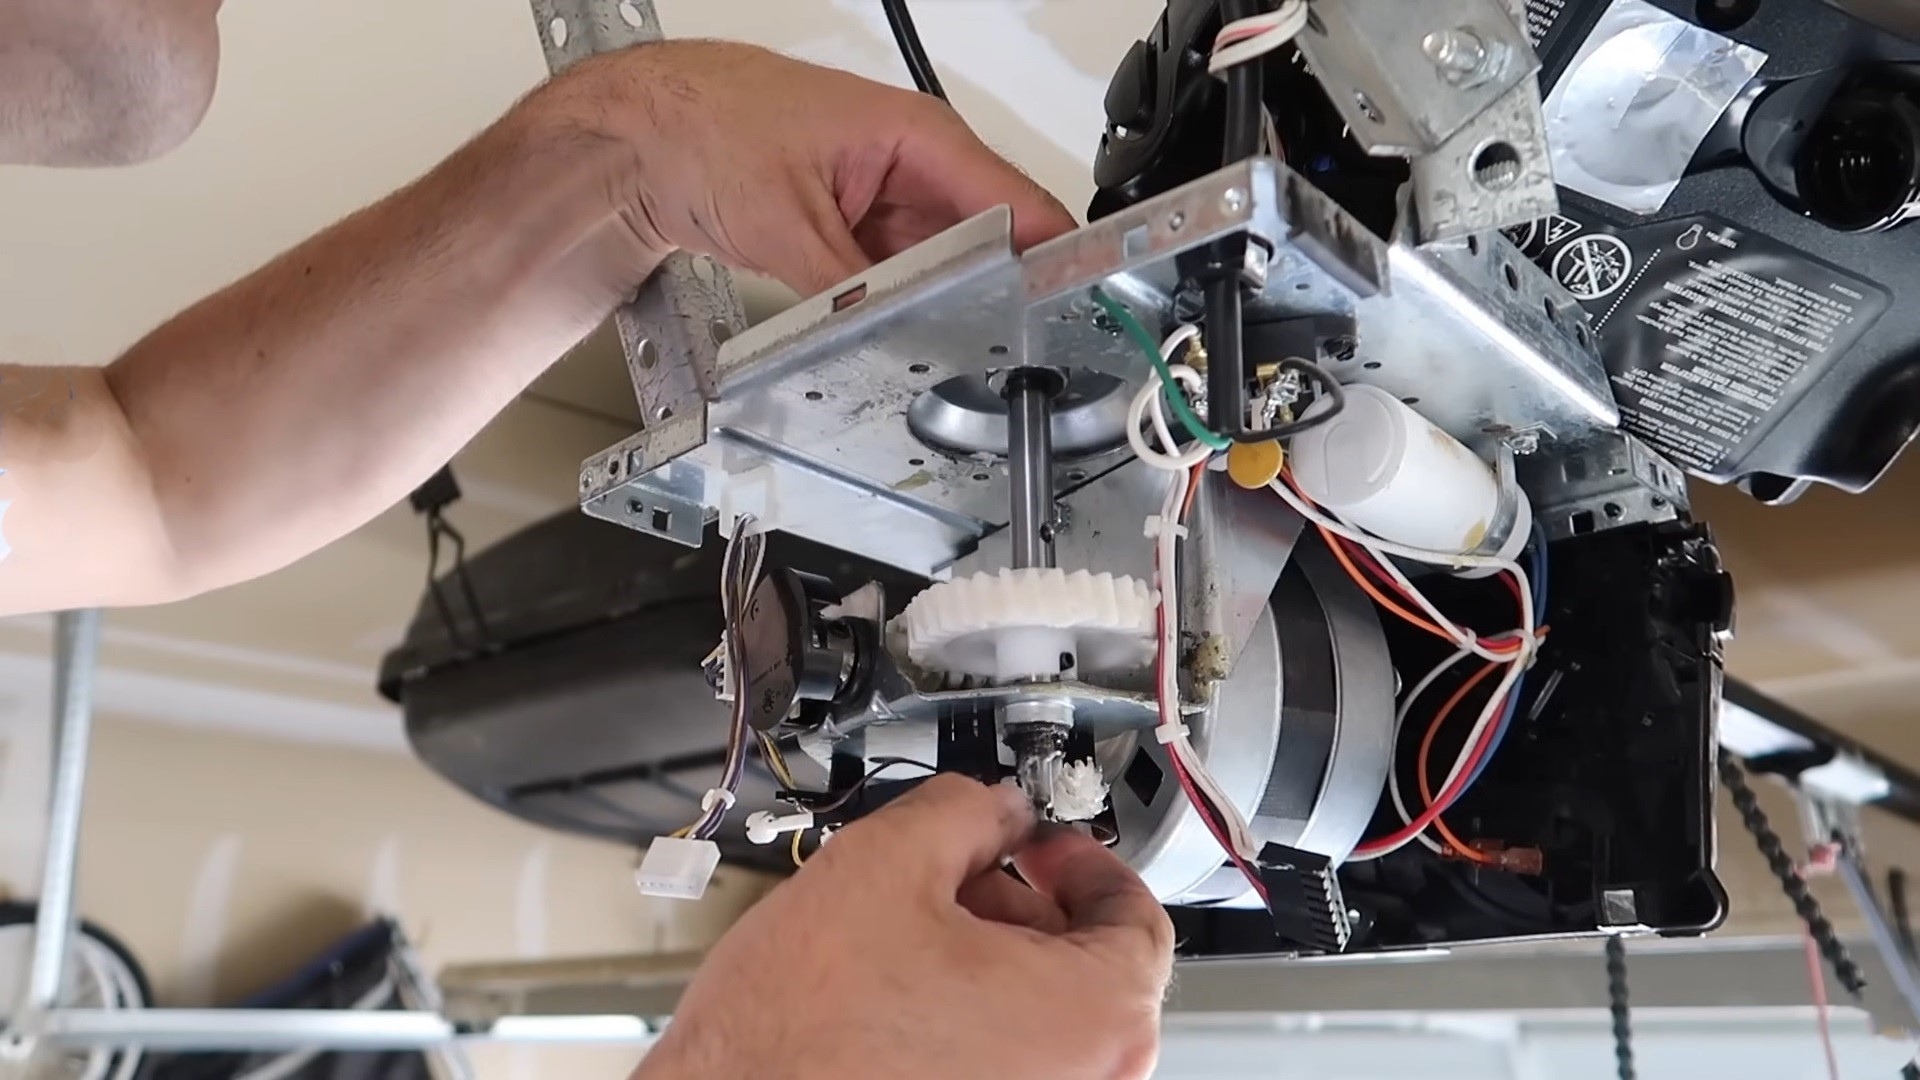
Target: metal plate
(1380, 63)
(808, 426)
(1483, 347)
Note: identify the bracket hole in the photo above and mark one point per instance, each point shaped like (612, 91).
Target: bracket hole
(1144, 777)
(916, 462)
(1512, 277)
(663, 413)
(997, 350)
(1497, 166)
(815, 395)
(649, 354)
(662, 519)
(919, 369)
(981, 476)
(851, 297)
(1613, 511)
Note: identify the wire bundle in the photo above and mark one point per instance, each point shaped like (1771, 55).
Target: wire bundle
(1147, 425)
(1218, 813)
(1243, 40)
(739, 574)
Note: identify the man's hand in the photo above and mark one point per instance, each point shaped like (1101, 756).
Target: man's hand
(356, 364)
(902, 950)
(800, 172)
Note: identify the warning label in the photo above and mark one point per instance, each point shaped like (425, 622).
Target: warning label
(1710, 332)
(1541, 17)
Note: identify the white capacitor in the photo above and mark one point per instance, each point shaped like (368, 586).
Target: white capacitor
(1390, 471)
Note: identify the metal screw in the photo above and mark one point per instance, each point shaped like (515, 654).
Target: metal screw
(1233, 200)
(1523, 442)
(1457, 53)
(1177, 220)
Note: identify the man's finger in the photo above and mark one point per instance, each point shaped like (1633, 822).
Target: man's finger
(940, 834)
(1104, 900)
(803, 241)
(945, 162)
(996, 896)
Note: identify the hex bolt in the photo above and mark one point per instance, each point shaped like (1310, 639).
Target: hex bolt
(1462, 56)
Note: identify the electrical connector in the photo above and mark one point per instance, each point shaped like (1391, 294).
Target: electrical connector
(677, 868)
(764, 827)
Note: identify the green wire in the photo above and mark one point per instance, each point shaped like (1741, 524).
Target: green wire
(1176, 397)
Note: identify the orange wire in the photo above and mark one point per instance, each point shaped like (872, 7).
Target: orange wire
(1426, 747)
(1193, 485)
(1366, 583)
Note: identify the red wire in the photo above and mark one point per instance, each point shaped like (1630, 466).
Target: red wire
(1448, 796)
(1817, 977)
(1194, 797)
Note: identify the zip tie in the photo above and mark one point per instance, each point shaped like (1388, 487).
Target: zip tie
(717, 797)
(1158, 526)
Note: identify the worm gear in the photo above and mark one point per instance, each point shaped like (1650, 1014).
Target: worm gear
(1030, 624)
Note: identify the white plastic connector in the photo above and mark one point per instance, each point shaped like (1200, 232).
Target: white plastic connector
(677, 868)
(764, 827)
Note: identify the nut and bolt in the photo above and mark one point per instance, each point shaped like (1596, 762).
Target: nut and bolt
(1462, 56)
(1523, 442)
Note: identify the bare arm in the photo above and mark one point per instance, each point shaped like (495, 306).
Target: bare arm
(288, 409)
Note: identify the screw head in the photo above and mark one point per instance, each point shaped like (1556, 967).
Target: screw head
(1233, 200)
(1177, 220)
(1523, 442)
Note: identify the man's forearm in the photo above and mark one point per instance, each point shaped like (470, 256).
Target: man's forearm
(283, 411)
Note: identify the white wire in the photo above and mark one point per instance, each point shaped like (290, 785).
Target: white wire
(1148, 403)
(1269, 32)
(1147, 406)
(1178, 744)
(1488, 714)
(1399, 723)
(1381, 549)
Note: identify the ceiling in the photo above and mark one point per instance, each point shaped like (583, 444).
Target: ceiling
(94, 259)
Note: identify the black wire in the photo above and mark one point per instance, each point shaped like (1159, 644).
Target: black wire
(880, 765)
(1336, 398)
(1227, 368)
(437, 527)
(914, 53)
(1791, 883)
(1246, 84)
(1617, 1004)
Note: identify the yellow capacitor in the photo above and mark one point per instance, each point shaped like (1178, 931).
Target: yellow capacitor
(1255, 465)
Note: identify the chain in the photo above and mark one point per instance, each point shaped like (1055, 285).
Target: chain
(1791, 883)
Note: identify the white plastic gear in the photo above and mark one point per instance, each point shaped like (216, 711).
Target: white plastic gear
(1017, 624)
